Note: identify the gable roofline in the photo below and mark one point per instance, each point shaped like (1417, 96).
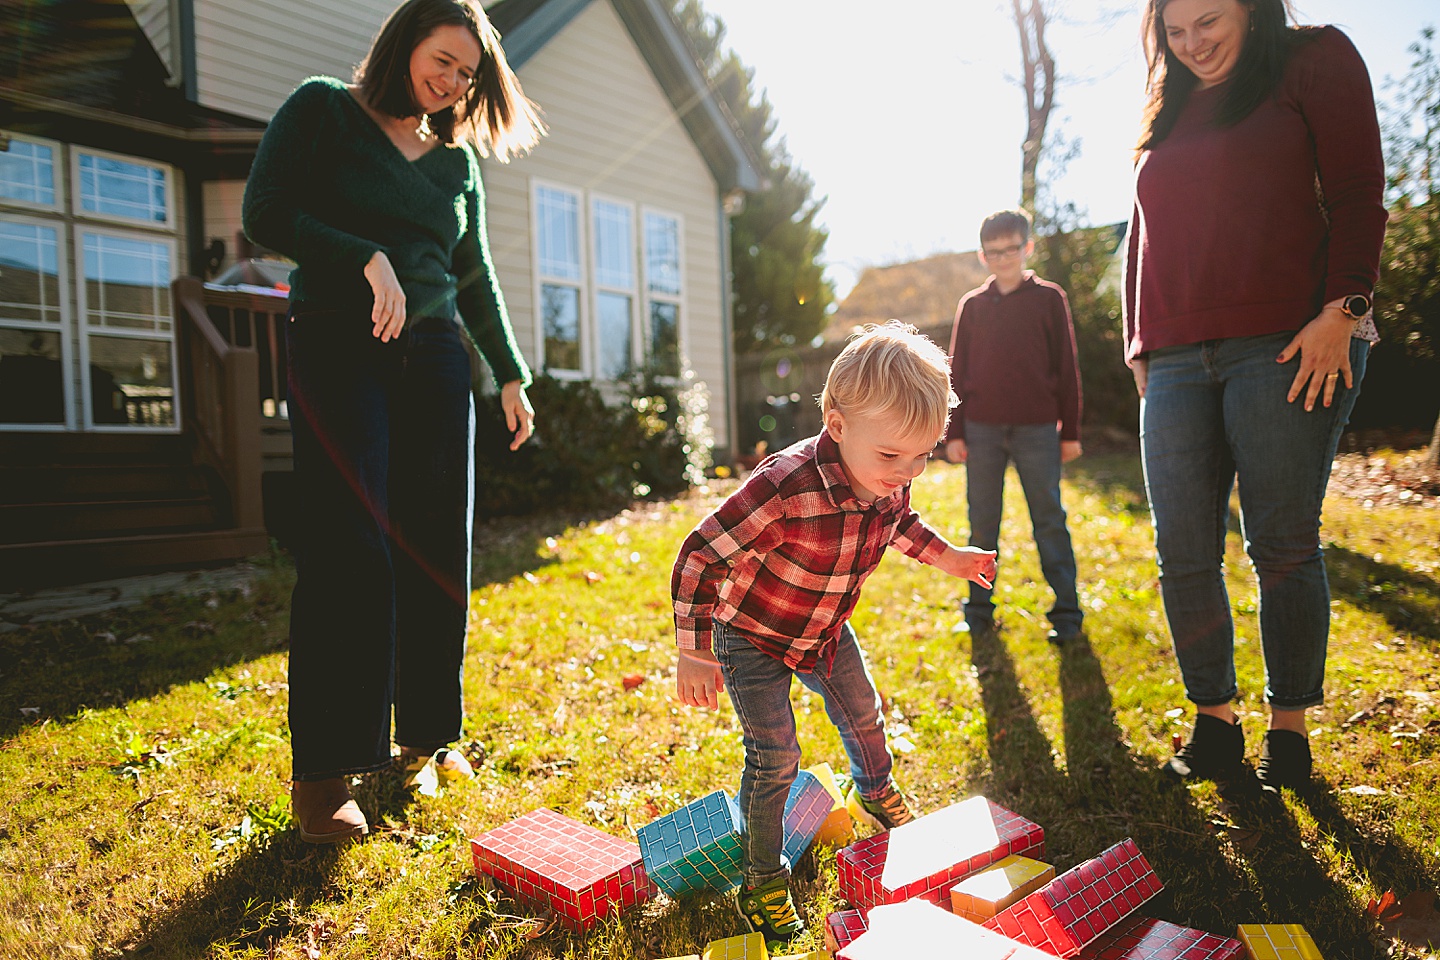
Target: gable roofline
(527, 25)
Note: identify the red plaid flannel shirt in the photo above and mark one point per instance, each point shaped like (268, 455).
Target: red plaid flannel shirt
(783, 558)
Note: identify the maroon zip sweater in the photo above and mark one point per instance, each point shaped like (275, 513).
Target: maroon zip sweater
(1229, 237)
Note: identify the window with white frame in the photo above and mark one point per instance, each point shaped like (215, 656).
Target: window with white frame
(664, 290)
(614, 251)
(97, 349)
(561, 275)
(613, 304)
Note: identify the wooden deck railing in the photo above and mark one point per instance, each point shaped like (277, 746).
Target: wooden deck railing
(221, 382)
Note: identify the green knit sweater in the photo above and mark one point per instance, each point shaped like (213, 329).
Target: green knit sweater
(328, 189)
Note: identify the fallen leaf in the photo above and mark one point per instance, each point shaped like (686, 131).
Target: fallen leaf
(633, 680)
(426, 780)
(1387, 909)
(1245, 838)
(592, 577)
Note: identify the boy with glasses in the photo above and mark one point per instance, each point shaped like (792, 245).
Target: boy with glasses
(1013, 366)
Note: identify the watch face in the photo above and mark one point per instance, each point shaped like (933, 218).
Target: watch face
(1357, 306)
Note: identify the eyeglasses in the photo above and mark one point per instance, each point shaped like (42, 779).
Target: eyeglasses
(1001, 253)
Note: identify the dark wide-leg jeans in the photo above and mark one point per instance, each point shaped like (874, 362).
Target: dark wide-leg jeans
(384, 472)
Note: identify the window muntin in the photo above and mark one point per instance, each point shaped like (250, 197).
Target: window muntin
(662, 254)
(664, 292)
(29, 273)
(127, 282)
(27, 173)
(558, 222)
(114, 187)
(614, 245)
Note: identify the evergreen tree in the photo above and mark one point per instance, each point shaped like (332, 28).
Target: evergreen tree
(781, 295)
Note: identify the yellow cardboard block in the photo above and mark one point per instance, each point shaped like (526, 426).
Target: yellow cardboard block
(812, 955)
(982, 895)
(838, 829)
(749, 947)
(688, 956)
(1278, 941)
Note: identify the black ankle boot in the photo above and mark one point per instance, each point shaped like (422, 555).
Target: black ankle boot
(1215, 751)
(1284, 761)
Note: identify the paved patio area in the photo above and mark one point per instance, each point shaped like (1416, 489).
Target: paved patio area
(79, 600)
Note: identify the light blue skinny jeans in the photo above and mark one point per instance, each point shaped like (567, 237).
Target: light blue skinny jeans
(759, 687)
(1215, 412)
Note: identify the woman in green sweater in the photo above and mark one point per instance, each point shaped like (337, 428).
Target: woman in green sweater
(374, 190)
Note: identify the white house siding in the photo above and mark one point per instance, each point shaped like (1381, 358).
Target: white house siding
(251, 53)
(157, 20)
(613, 132)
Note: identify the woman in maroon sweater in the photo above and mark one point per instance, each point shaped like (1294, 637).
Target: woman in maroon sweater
(1253, 251)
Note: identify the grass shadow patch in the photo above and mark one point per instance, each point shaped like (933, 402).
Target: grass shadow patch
(1409, 601)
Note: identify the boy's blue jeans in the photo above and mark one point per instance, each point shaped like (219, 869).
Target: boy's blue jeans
(1215, 412)
(759, 687)
(1035, 449)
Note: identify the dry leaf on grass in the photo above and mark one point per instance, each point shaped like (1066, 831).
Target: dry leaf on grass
(633, 680)
(1412, 920)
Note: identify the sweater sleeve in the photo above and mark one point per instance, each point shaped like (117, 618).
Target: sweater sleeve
(477, 294)
(1068, 368)
(1129, 290)
(959, 345)
(1339, 108)
(273, 213)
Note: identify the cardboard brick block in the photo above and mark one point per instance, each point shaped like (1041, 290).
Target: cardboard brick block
(551, 861)
(925, 857)
(838, 828)
(749, 947)
(982, 895)
(812, 955)
(695, 848)
(1278, 941)
(1141, 938)
(920, 930)
(806, 808)
(841, 927)
(688, 956)
(1082, 903)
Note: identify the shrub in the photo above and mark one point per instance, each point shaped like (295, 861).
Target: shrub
(592, 449)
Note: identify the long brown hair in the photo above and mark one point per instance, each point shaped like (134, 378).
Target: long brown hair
(1169, 83)
(511, 122)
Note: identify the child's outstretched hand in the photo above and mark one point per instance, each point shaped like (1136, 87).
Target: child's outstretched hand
(971, 563)
(697, 679)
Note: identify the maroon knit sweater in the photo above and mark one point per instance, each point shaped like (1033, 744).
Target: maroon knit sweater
(1229, 237)
(1012, 358)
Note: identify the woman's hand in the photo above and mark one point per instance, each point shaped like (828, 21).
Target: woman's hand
(519, 415)
(388, 314)
(1324, 348)
(1140, 370)
(698, 680)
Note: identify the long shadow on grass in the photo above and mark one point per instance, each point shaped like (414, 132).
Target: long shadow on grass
(107, 660)
(1409, 601)
(250, 902)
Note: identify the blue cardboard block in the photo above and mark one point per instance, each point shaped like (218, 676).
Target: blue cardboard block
(806, 808)
(695, 848)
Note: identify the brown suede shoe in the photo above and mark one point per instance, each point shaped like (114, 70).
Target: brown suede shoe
(324, 811)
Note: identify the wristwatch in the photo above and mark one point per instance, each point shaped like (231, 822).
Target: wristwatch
(1355, 306)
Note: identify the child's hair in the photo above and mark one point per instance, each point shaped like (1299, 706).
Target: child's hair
(1006, 223)
(892, 369)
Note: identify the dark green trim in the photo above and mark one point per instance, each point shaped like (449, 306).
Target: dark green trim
(189, 80)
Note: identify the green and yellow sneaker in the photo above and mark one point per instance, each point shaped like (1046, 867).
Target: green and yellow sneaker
(886, 811)
(770, 911)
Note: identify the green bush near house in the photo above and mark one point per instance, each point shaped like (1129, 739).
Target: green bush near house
(591, 451)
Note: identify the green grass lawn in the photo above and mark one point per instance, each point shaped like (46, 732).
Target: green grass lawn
(144, 812)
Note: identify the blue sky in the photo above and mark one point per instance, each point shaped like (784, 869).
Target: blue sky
(908, 115)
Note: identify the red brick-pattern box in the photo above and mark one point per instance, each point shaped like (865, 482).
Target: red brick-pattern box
(841, 927)
(920, 930)
(982, 895)
(926, 856)
(1278, 941)
(1141, 938)
(1082, 903)
(549, 860)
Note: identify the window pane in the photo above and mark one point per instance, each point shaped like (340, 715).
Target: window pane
(614, 246)
(29, 273)
(665, 338)
(560, 313)
(131, 382)
(27, 173)
(127, 283)
(614, 335)
(121, 189)
(32, 388)
(662, 253)
(559, 233)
